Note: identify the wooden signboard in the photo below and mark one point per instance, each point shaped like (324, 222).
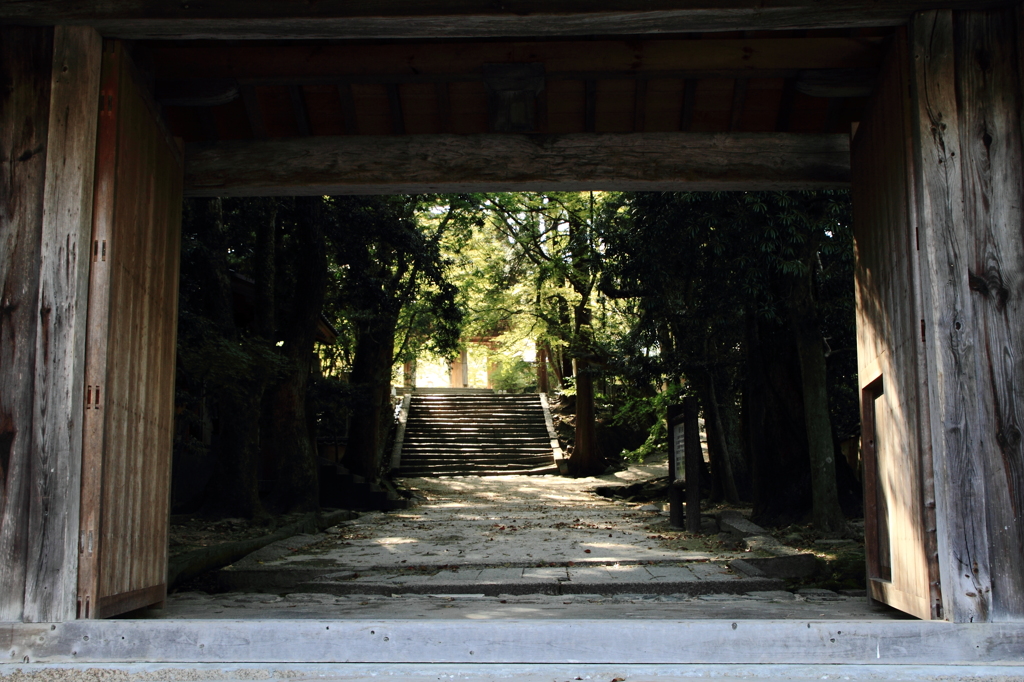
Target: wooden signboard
(130, 351)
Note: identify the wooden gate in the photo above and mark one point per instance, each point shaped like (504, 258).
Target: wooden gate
(898, 480)
(129, 377)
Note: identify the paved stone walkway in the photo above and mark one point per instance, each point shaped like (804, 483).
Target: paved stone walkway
(508, 546)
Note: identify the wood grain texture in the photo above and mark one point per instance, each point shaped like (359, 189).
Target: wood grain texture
(25, 59)
(989, 95)
(506, 640)
(956, 429)
(442, 163)
(141, 19)
(52, 579)
(463, 60)
(889, 348)
(130, 370)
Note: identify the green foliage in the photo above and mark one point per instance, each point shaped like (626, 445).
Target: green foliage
(390, 273)
(330, 400)
(702, 266)
(641, 411)
(515, 376)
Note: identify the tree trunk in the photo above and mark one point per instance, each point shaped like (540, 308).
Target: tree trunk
(716, 433)
(826, 512)
(542, 369)
(774, 417)
(233, 489)
(292, 444)
(556, 368)
(584, 460)
(371, 382)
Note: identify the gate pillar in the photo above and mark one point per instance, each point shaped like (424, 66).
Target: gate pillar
(47, 160)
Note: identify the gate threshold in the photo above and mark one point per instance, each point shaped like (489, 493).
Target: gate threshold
(606, 642)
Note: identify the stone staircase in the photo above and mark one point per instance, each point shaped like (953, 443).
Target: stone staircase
(475, 434)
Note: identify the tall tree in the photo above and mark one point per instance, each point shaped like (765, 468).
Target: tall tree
(720, 273)
(302, 269)
(558, 234)
(392, 288)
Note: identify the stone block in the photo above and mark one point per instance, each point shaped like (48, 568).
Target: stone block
(739, 527)
(791, 566)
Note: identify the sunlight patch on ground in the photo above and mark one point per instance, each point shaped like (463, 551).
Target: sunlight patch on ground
(395, 541)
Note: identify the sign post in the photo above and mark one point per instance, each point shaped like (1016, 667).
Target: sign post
(676, 464)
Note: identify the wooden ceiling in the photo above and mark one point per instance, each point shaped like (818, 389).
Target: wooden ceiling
(793, 82)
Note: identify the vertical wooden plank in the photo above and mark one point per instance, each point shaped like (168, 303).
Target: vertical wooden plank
(97, 395)
(922, 433)
(739, 101)
(988, 89)
(253, 112)
(900, 572)
(397, 115)
(590, 106)
(25, 69)
(141, 172)
(954, 420)
(60, 345)
(686, 109)
(348, 107)
(640, 106)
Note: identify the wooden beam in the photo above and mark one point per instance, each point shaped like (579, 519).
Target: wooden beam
(448, 163)
(423, 61)
(335, 19)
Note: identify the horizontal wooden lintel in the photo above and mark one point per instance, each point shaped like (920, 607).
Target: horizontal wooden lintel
(477, 163)
(258, 19)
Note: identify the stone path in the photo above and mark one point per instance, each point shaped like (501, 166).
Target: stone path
(499, 535)
(508, 546)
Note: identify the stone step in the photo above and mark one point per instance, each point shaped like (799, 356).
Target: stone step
(476, 438)
(476, 435)
(431, 473)
(444, 459)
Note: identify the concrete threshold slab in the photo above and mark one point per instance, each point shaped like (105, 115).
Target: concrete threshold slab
(556, 641)
(421, 672)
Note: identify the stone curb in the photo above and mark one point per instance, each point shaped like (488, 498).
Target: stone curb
(547, 587)
(184, 567)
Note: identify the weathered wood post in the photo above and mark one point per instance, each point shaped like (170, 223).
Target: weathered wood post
(969, 184)
(48, 118)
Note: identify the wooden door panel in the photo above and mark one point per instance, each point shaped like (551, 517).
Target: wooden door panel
(899, 506)
(130, 351)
